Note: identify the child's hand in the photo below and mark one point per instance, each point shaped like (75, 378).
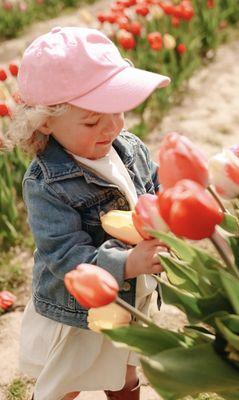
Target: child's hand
(143, 259)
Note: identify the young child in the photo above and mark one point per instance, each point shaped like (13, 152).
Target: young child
(74, 87)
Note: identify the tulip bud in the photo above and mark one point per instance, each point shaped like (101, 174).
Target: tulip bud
(91, 286)
(108, 317)
(147, 216)
(119, 224)
(224, 173)
(189, 210)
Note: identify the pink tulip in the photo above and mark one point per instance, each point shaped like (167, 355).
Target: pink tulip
(147, 216)
(180, 159)
(91, 286)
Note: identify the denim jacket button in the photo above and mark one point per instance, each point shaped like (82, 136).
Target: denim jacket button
(101, 214)
(126, 287)
(121, 201)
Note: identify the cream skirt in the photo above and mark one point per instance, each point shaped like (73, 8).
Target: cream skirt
(64, 359)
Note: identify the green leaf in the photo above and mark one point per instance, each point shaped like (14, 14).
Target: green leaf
(181, 299)
(189, 371)
(199, 334)
(232, 322)
(234, 243)
(146, 340)
(207, 260)
(231, 285)
(214, 303)
(180, 274)
(188, 252)
(230, 224)
(231, 337)
(182, 248)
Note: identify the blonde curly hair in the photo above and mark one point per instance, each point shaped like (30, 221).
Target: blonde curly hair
(25, 124)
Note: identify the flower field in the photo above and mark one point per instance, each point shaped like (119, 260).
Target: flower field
(15, 15)
(169, 37)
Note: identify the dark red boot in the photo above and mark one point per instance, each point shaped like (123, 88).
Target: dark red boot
(124, 394)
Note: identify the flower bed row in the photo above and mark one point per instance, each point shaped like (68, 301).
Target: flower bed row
(170, 37)
(12, 166)
(16, 14)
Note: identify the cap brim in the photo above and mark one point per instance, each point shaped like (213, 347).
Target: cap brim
(122, 92)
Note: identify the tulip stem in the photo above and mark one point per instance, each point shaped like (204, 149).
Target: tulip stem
(223, 254)
(136, 313)
(217, 198)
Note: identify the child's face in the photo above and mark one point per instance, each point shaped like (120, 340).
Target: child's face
(86, 133)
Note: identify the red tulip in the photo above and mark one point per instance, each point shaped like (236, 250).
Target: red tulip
(6, 299)
(210, 4)
(123, 23)
(117, 8)
(135, 28)
(102, 17)
(187, 13)
(142, 10)
(181, 48)
(7, 5)
(13, 68)
(147, 216)
(111, 17)
(175, 21)
(180, 159)
(3, 75)
(189, 210)
(91, 286)
(155, 40)
(4, 110)
(126, 40)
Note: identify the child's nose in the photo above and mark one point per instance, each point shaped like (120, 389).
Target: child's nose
(111, 124)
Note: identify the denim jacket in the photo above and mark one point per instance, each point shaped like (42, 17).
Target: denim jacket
(64, 202)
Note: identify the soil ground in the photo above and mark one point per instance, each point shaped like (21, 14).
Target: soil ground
(208, 115)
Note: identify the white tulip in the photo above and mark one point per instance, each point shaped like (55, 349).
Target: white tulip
(224, 173)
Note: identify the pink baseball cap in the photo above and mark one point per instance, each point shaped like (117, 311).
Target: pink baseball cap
(83, 67)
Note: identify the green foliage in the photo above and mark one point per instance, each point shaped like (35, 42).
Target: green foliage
(14, 19)
(203, 356)
(12, 216)
(17, 390)
(11, 272)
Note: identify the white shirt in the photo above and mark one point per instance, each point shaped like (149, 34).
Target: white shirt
(112, 169)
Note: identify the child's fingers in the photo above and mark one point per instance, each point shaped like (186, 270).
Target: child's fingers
(156, 269)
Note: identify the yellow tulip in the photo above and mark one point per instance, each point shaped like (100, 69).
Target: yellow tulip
(169, 41)
(119, 224)
(107, 317)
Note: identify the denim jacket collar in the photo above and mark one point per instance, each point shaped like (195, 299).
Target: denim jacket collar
(57, 164)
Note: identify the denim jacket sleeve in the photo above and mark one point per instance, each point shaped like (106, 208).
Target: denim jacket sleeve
(153, 167)
(58, 234)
